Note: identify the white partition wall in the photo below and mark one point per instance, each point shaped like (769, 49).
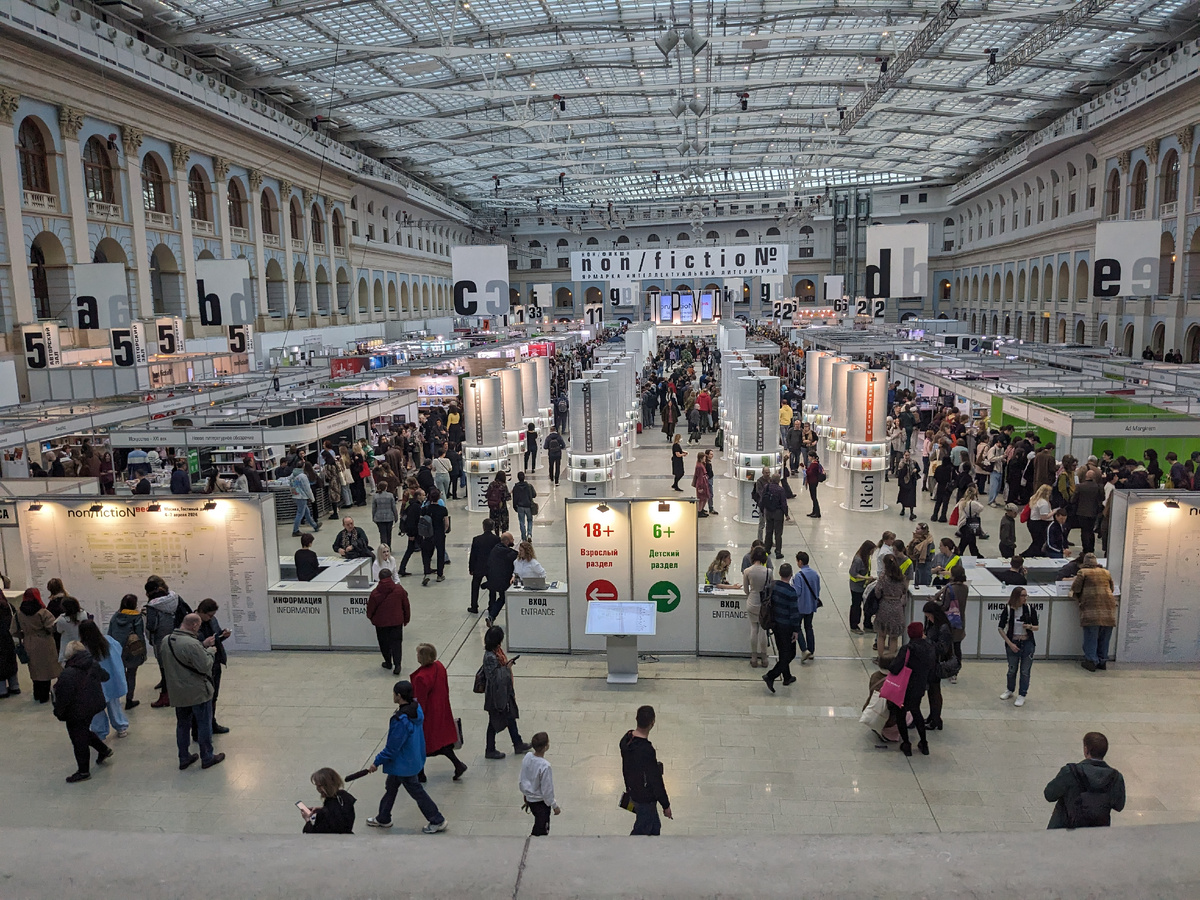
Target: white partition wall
(837, 422)
(757, 428)
(511, 410)
(485, 450)
(865, 452)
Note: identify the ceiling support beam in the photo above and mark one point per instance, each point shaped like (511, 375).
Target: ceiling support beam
(1064, 23)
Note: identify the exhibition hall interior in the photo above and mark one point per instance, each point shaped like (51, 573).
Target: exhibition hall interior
(769, 427)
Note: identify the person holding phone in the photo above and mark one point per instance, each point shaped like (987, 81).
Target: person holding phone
(335, 815)
(1018, 622)
(499, 698)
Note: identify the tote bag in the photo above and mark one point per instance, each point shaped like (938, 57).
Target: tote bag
(876, 712)
(896, 686)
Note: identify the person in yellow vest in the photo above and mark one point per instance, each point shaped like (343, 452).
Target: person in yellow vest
(944, 561)
(900, 551)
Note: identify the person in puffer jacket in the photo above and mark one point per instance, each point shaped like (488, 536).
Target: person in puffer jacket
(164, 612)
(78, 697)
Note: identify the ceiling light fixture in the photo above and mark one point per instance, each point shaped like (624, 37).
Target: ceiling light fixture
(154, 507)
(34, 507)
(96, 507)
(695, 42)
(744, 96)
(698, 106)
(211, 504)
(683, 147)
(1171, 503)
(668, 42)
(677, 107)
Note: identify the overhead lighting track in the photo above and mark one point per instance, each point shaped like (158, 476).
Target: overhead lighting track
(921, 42)
(1062, 25)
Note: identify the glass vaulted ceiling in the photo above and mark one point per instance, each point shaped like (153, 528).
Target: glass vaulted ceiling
(462, 92)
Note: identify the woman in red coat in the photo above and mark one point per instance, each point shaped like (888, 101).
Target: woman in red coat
(432, 691)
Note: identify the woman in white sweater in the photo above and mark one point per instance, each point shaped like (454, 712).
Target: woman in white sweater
(526, 564)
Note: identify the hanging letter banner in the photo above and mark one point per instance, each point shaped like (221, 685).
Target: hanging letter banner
(223, 291)
(622, 293)
(101, 297)
(683, 262)
(1126, 259)
(480, 280)
(897, 261)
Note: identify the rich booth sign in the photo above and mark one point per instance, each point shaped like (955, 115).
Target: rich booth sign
(765, 260)
(1126, 259)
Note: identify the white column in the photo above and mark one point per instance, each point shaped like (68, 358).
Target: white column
(289, 264)
(1184, 135)
(180, 155)
(254, 179)
(131, 139)
(14, 237)
(221, 213)
(310, 262)
(70, 121)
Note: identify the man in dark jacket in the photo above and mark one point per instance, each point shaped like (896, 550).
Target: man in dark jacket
(181, 481)
(786, 626)
(1100, 777)
(773, 508)
(643, 776)
(477, 563)
(78, 696)
(351, 542)
(1089, 503)
(425, 477)
(1044, 467)
(499, 574)
(389, 612)
(211, 628)
(554, 446)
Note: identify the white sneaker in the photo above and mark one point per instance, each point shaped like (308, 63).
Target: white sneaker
(375, 823)
(1020, 701)
(434, 829)
(1006, 695)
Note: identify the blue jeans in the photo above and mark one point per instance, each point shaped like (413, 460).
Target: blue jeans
(710, 495)
(1023, 659)
(646, 819)
(302, 513)
(995, 481)
(804, 634)
(112, 716)
(415, 790)
(525, 520)
(183, 730)
(1095, 642)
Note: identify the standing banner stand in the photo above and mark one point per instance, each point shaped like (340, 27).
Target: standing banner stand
(512, 413)
(641, 551)
(591, 461)
(812, 382)
(485, 451)
(532, 393)
(621, 622)
(866, 450)
(757, 440)
(839, 416)
(823, 417)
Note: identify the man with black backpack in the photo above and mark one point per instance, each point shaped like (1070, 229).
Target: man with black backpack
(561, 410)
(1084, 794)
(773, 508)
(554, 446)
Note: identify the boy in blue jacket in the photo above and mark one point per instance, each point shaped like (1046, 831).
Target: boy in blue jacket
(402, 758)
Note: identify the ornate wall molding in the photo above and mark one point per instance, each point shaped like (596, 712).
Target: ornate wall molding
(180, 154)
(70, 121)
(8, 105)
(131, 138)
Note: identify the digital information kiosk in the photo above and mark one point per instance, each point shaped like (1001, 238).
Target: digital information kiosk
(621, 622)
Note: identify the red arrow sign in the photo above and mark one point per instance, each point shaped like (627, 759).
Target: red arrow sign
(601, 590)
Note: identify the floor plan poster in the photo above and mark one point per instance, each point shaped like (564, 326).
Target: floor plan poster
(1160, 613)
(103, 553)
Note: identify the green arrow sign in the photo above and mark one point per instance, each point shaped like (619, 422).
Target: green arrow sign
(665, 594)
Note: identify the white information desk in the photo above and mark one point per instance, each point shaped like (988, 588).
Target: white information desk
(323, 613)
(349, 628)
(722, 629)
(299, 615)
(538, 621)
(1059, 633)
(335, 569)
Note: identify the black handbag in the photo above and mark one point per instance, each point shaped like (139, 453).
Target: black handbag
(22, 653)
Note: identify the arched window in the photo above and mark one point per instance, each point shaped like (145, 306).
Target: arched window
(742, 232)
(35, 172)
(592, 242)
(295, 221)
(236, 201)
(712, 236)
(623, 239)
(772, 231)
(1137, 198)
(337, 227)
(652, 239)
(683, 236)
(318, 225)
(1112, 194)
(97, 172)
(806, 233)
(533, 245)
(198, 195)
(562, 242)
(266, 213)
(1170, 177)
(154, 185)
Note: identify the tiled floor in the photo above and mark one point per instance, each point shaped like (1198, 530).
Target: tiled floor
(737, 759)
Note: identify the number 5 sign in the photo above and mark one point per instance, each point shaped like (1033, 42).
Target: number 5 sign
(42, 346)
